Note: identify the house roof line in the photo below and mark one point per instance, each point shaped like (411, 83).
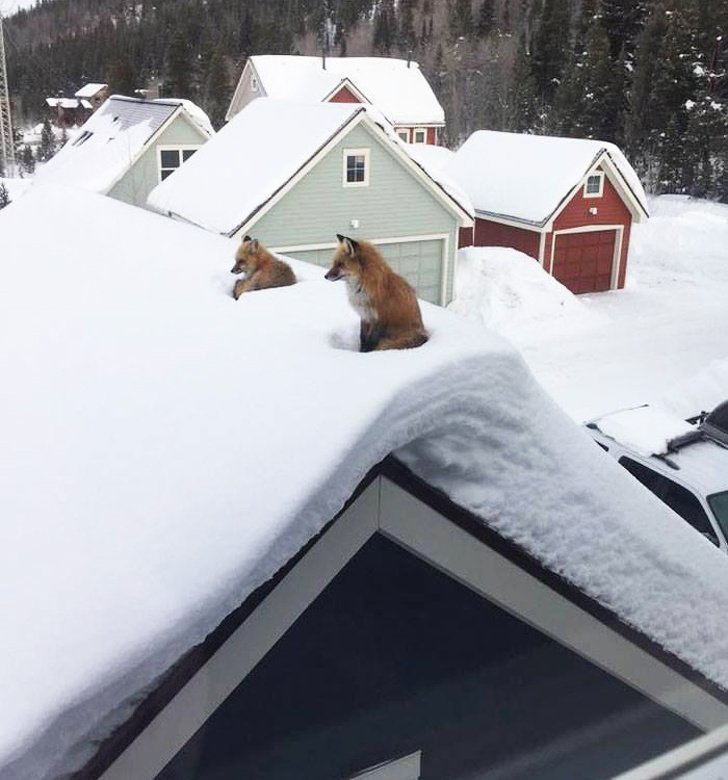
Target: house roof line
(356, 113)
(392, 468)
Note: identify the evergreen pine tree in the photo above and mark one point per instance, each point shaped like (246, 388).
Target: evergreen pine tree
(27, 159)
(4, 195)
(460, 18)
(47, 142)
(486, 18)
(121, 78)
(550, 54)
(217, 88)
(180, 66)
(523, 99)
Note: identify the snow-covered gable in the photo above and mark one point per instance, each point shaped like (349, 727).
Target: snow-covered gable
(400, 91)
(90, 90)
(254, 156)
(527, 177)
(109, 143)
(167, 449)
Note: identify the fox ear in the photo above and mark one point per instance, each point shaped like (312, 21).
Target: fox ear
(254, 245)
(247, 238)
(352, 247)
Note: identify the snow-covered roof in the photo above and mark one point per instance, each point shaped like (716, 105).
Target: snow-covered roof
(62, 102)
(399, 91)
(90, 90)
(433, 160)
(254, 156)
(526, 177)
(167, 449)
(110, 141)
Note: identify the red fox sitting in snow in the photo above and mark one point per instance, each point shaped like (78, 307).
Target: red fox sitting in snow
(387, 305)
(261, 269)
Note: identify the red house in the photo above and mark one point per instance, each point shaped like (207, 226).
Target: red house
(569, 203)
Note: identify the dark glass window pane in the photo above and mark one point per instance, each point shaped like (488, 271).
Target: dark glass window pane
(166, 173)
(187, 153)
(355, 168)
(170, 158)
(592, 184)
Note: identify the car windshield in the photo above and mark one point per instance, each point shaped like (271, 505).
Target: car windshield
(719, 506)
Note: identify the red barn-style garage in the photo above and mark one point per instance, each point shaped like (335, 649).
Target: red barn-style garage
(567, 202)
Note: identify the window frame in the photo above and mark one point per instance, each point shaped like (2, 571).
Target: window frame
(422, 130)
(180, 149)
(406, 132)
(356, 152)
(600, 176)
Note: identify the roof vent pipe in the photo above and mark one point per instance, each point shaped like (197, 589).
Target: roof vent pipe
(409, 57)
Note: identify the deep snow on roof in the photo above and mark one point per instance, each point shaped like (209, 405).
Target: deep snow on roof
(109, 142)
(249, 160)
(256, 154)
(167, 449)
(400, 92)
(526, 177)
(89, 90)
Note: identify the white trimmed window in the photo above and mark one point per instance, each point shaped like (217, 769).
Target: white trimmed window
(171, 157)
(356, 168)
(404, 134)
(419, 135)
(594, 185)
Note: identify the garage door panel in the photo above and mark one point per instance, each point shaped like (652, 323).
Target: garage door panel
(583, 261)
(419, 262)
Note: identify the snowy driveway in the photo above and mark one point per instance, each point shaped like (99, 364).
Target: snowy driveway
(662, 339)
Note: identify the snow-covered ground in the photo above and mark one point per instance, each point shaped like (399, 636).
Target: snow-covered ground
(166, 449)
(663, 339)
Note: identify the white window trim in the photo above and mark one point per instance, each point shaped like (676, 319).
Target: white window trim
(406, 768)
(599, 194)
(364, 152)
(406, 132)
(416, 130)
(173, 148)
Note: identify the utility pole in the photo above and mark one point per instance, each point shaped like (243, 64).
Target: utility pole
(7, 142)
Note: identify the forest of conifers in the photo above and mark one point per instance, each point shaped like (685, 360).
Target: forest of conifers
(648, 75)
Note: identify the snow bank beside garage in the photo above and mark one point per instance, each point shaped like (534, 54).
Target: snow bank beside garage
(167, 449)
(508, 291)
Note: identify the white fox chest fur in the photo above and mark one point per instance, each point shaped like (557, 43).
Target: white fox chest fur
(359, 300)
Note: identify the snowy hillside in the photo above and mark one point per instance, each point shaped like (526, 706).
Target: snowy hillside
(166, 449)
(662, 339)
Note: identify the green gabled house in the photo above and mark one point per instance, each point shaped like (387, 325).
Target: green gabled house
(295, 175)
(128, 146)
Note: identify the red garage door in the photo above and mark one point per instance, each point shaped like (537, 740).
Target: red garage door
(583, 261)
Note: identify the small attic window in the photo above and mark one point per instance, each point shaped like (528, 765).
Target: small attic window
(356, 168)
(594, 186)
(170, 158)
(254, 84)
(404, 134)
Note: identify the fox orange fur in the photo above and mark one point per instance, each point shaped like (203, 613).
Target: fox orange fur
(261, 269)
(388, 307)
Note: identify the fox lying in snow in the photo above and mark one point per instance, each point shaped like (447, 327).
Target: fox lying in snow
(261, 269)
(387, 305)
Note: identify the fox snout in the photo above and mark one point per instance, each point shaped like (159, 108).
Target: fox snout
(334, 274)
(236, 269)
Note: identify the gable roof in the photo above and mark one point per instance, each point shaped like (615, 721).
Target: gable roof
(89, 90)
(213, 411)
(399, 91)
(256, 154)
(111, 140)
(527, 177)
